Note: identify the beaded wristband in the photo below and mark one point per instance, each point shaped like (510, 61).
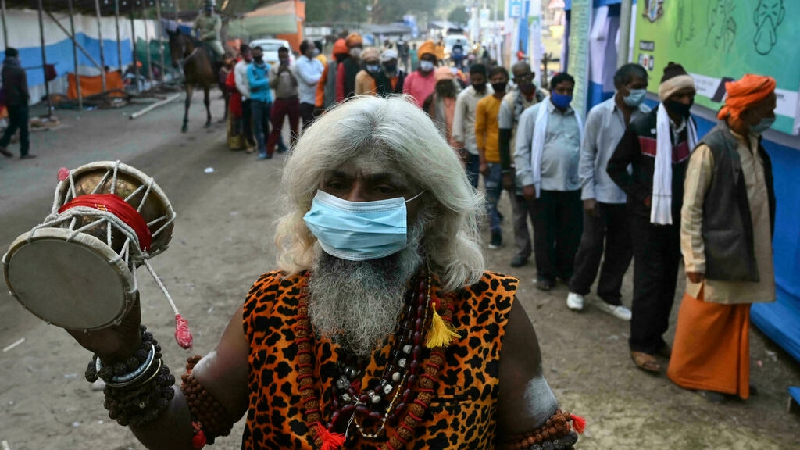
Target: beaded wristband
(138, 390)
(210, 419)
(556, 430)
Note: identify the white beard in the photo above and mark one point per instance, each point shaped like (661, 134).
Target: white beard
(358, 303)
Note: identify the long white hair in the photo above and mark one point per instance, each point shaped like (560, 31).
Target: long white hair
(400, 132)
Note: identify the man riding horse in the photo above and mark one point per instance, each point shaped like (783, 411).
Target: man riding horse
(208, 26)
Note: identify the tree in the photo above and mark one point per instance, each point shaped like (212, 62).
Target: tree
(459, 15)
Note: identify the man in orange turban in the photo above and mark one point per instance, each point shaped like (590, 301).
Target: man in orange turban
(349, 68)
(421, 83)
(726, 239)
(326, 88)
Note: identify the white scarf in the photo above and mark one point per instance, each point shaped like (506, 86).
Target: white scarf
(537, 146)
(661, 210)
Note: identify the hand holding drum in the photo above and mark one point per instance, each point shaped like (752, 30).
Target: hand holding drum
(77, 270)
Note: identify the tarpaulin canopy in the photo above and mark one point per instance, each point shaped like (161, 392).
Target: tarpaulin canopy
(279, 18)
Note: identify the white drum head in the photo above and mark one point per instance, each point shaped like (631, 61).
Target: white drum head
(71, 284)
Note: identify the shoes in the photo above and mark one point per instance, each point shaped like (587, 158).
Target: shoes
(28, 156)
(646, 362)
(575, 302)
(4, 151)
(545, 284)
(519, 261)
(497, 240)
(712, 397)
(264, 156)
(618, 311)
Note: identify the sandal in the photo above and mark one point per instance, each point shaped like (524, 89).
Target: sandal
(646, 362)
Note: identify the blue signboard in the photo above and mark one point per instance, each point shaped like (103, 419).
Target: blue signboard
(515, 9)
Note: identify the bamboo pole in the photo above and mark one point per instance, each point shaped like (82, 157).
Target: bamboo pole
(5, 27)
(147, 46)
(75, 46)
(72, 38)
(100, 40)
(119, 39)
(44, 62)
(160, 44)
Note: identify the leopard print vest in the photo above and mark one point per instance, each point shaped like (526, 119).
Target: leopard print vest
(462, 414)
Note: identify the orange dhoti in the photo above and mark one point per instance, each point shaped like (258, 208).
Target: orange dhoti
(711, 351)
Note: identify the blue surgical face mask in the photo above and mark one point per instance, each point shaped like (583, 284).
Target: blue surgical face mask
(636, 97)
(560, 101)
(358, 231)
(373, 68)
(425, 66)
(762, 126)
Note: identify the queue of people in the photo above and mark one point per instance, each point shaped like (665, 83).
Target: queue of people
(626, 185)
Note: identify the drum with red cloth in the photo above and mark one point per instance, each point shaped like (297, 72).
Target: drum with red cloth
(77, 269)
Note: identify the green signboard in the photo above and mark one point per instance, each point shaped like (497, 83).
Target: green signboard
(721, 40)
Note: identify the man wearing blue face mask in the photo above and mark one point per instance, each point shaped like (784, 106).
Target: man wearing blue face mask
(547, 157)
(605, 221)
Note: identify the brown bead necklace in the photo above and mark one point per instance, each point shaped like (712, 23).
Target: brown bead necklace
(391, 407)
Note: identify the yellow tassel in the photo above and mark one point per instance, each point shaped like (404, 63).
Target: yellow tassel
(441, 333)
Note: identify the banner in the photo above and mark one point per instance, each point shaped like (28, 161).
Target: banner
(580, 23)
(535, 39)
(515, 9)
(722, 40)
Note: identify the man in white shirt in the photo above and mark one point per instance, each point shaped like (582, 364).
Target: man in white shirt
(464, 120)
(309, 71)
(240, 76)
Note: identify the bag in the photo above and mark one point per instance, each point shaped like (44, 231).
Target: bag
(50, 72)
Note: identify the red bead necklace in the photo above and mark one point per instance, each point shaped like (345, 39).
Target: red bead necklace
(391, 407)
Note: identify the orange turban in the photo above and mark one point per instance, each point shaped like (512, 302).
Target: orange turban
(353, 40)
(744, 93)
(340, 47)
(426, 47)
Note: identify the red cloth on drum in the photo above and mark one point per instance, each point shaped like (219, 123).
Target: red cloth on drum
(120, 208)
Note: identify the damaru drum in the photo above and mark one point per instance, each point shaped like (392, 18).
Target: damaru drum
(77, 269)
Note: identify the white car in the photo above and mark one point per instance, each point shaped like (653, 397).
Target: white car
(270, 48)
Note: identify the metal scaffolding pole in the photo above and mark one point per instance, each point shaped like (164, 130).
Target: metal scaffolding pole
(147, 46)
(75, 55)
(119, 39)
(100, 40)
(133, 44)
(44, 62)
(5, 27)
(163, 70)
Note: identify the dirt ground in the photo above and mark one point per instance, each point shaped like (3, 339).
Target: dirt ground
(223, 241)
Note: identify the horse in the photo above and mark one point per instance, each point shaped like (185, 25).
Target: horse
(198, 70)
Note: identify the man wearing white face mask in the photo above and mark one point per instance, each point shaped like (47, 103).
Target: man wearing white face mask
(605, 222)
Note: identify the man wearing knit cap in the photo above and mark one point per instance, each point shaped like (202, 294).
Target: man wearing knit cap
(374, 80)
(346, 71)
(396, 76)
(420, 84)
(657, 147)
(326, 88)
(726, 238)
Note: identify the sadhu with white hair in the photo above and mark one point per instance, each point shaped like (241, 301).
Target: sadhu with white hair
(381, 330)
